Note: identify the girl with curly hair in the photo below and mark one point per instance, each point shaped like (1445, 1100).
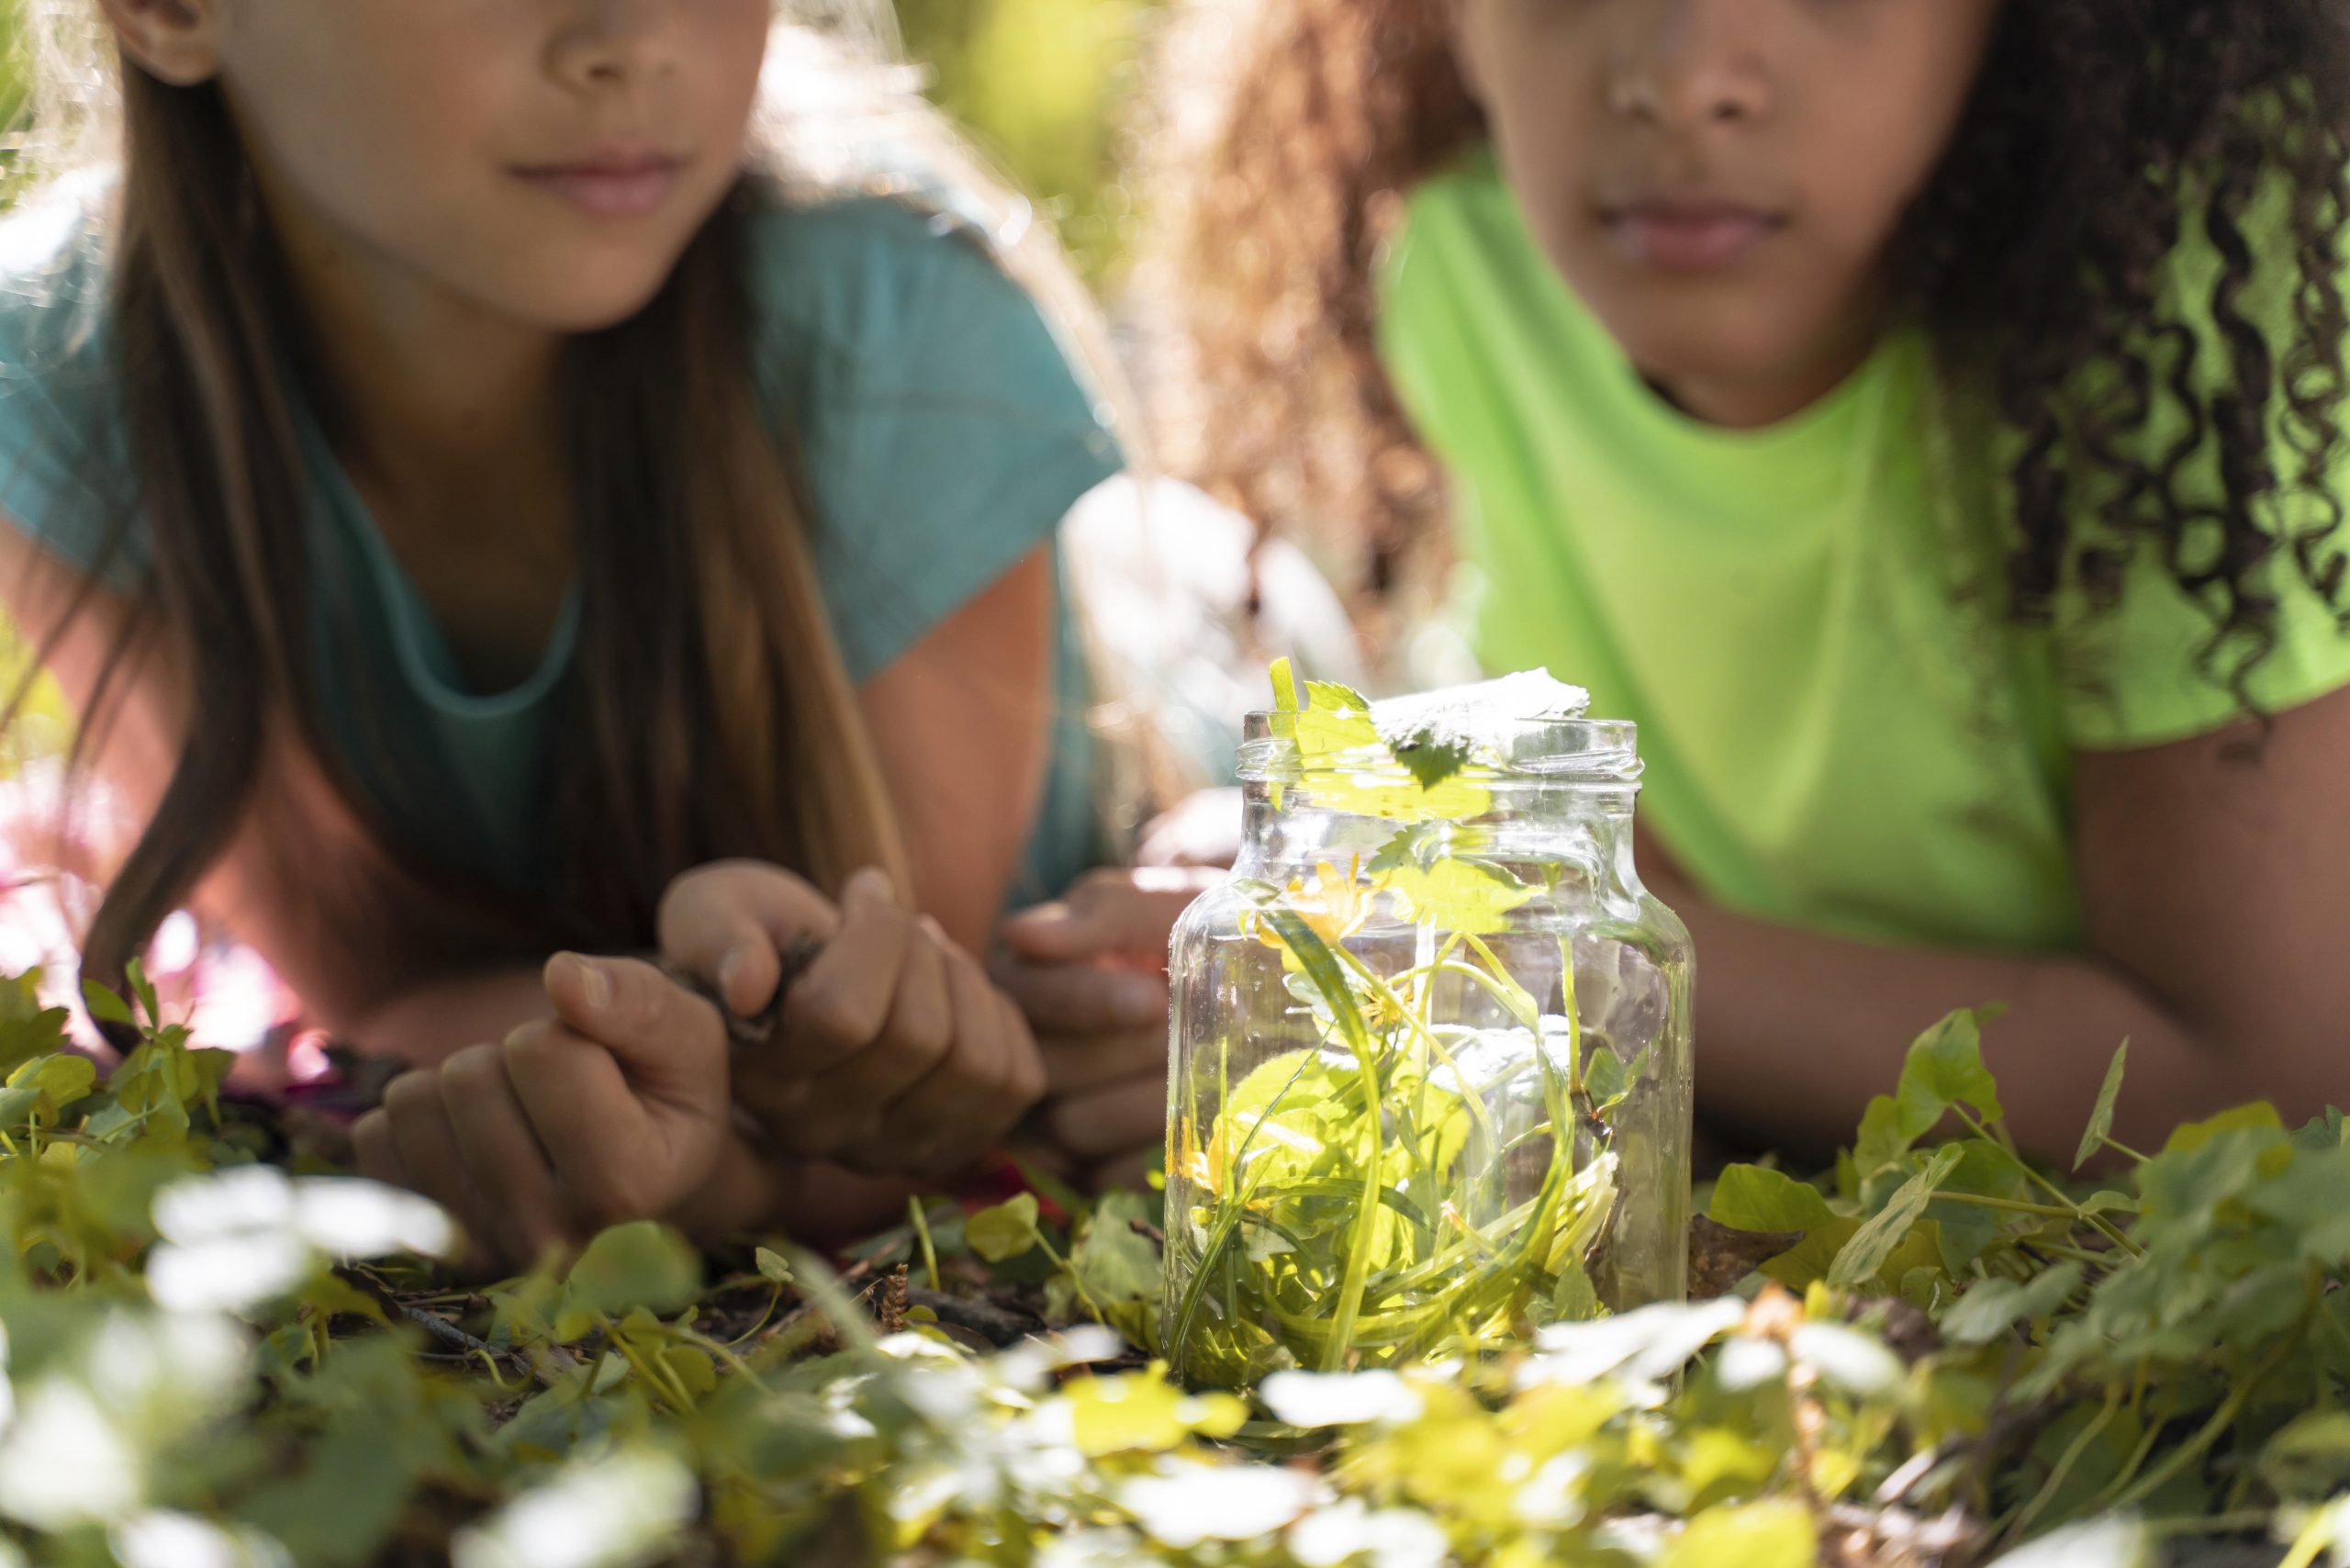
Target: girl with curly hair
(1922, 415)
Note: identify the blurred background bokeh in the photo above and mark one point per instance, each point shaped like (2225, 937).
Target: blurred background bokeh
(1044, 87)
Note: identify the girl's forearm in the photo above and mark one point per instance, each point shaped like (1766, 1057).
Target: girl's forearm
(1796, 1031)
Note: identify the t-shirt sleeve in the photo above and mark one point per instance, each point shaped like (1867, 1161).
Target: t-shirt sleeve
(63, 445)
(2147, 670)
(944, 431)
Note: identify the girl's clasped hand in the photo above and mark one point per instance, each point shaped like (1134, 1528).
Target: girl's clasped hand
(892, 1054)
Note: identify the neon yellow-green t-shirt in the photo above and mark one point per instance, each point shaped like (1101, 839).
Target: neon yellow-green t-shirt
(1842, 728)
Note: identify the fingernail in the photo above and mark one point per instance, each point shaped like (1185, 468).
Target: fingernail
(729, 968)
(874, 882)
(595, 982)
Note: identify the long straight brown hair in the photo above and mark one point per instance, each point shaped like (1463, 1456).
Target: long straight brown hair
(712, 714)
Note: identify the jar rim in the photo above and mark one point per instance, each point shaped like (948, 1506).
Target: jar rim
(1602, 753)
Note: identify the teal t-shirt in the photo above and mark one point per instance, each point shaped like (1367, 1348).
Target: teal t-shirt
(1842, 729)
(941, 432)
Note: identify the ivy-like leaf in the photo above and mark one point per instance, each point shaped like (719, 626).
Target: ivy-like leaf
(1472, 897)
(1431, 762)
(630, 1266)
(104, 1005)
(1875, 1241)
(1004, 1232)
(1990, 1308)
(1754, 1197)
(2101, 1119)
(136, 972)
(2257, 1116)
(1944, 1067)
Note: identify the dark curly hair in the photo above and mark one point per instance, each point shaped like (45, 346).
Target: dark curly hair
(2099, 136)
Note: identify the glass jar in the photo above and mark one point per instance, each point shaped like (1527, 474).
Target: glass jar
(1431, 1085)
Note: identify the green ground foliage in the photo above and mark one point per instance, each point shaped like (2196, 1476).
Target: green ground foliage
(1946, 1353)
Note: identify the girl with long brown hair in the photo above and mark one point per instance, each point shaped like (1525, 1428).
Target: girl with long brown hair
(1922, 415)
(473, 466)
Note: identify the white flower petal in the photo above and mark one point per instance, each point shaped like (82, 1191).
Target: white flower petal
(1746, 1363)
(1328, 1537)
(1339, 1399)
(1407, 1538)
(1856, 1362)
(64, 1463)
(1091, 1548)
(1186, 1503)
(161, 1540)
(1643, 1345)
(347, 1217)
(231, 1274)
(2099, 1543)
(227, 1202)
(605, 1513)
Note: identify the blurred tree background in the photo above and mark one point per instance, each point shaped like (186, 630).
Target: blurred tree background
(1044, 87)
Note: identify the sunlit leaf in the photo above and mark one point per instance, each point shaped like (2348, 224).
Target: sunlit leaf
(1753, 1197)
(1753, 1534)
(2257, 1116)
(1873, 1243)
(1005, 1231)
(1944, 1067)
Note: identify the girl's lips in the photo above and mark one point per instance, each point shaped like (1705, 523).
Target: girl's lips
(1692, 237)
(616, 187)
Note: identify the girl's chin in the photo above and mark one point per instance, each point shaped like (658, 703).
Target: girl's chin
(564, 305)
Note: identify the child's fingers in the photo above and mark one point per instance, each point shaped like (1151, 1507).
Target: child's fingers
(578, 1103)
(1108, 913)
(839, 1006)
(990, 1076)
(1128, 1172)
(524, 1208)
(1109, 1121)
(1203, 831)
(426, 1145)
(375, 1152)
(1085, 999)
(726, 923)
(1073, 1065)
(670, 1043)
(847, 1105)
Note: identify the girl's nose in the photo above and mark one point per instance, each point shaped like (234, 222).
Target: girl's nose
(1685, 64)
(608, 43)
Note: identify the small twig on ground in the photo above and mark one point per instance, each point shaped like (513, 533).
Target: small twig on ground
(999, 1327)
(448, 1333)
